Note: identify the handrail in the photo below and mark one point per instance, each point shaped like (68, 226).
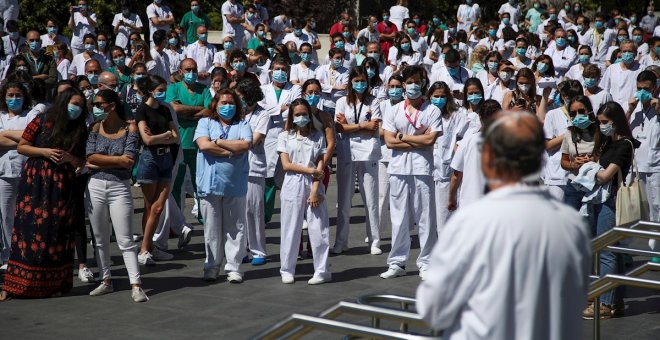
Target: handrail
(617, 234)
(290, 329)
(373, 299)
(612, 281)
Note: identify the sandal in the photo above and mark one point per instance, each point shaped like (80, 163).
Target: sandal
(5, 296)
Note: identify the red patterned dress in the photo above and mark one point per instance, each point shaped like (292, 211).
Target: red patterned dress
(42, 241)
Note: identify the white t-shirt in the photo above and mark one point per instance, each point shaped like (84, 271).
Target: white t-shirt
(369, 35)
(468, 161)
(203, 55)
(160, 12)
(454, 129)
(555, 125)
(124, 31)
(175, 58)
(419, 161)
(11, 162)
(620, 83)
(365, 146)
(161, 64)
(63, 69)
(235, 30)
(415, 58)
(302, 73)
(81, 27)
(497, 92)
(329, 77)
(561, 59)
(599, 99)
(646, 129)
(46, 40)
(259, 121)
(78, 62)
(398, 14)
(572, 146)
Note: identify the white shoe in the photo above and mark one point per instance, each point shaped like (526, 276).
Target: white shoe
(161, 255)
(146, 259)
(376, 251)
(102, 289)
(317, 281)
(185, 237)
(304, 227)
(338, 249)
(393, 271)
(85, 275)
(139, 295)
(422, 274)
(234, 277)
(288, 279)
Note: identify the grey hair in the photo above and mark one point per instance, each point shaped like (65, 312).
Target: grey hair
(519, 154)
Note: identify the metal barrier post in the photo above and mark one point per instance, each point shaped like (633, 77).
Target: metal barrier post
(597, 299)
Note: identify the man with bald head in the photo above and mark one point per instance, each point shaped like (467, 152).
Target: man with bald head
(92, 72)
(108, 81)
(514, 264)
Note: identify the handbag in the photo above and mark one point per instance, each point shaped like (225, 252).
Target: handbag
(632, 203)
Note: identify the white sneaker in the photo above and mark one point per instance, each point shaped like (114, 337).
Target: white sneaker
(185, 237)
(393, 271)
(422, 274)
(102, 289)
(338, 249)
(85, 275)
(376, 251)
(139, 295)
(146, 259)
(288, 279)
(317, 281)
(161, 255)
(234, 277)
(304, 227)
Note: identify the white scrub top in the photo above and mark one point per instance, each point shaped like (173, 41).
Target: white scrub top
(555, 125)
(365, 146)
(468, 160)
(259, 122)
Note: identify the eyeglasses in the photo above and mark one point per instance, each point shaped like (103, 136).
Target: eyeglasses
(578, 112)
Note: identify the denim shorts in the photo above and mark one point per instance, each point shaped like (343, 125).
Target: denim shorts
(153, 168)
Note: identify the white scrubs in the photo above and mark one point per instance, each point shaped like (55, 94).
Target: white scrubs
(468, 161)
(556, 123)
(255, 216)
(295, 191)
(411, 185)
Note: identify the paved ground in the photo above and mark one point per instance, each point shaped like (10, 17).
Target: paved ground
(183, 306)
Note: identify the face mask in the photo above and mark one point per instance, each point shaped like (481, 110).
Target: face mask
(89, 47)
(301, 121)
(346, 34)
(99, 114)
(577, 9)
(578, 29)
(395, 93)
(637, 39)
(571, 38)
(628, 57)
(374, 55)
(643, 95)
(93, 78)
(453, 71)
(492, 66)
(279, 76)
(581, 122)
(584, 59)
(22, 68)
(557, 100)
(14, 104)
(121, 61)
(73, 111)
(51, 30)
(102, 43)
(413, 91)
(227, 112)
(417, 21)
(190, 77)
(542, 67)
(173, 41)
(159, 96)
(492, 32)
(312, 25)
(621, 38)
(657, 51)
(13, 35)
(362, 50)
(618, 60)
(371, 73)
(436, 21)
(261, 34)
(589, 82)
(298, 32)
(452, 30)
(553, 16)
(505, 76)
(35, 46)
(339, 45)
(88, 94)
(475, 99)
(411, 31)
(607, 129)
(228, 45)
(337, 63)
(306, 57)
(238, 66)
(359, 86)
(599, 24)
(158, 2)
(386, 18)
(194, 8)
(521, 52)
(477, 67)
(561, 42)
(405, 47)
(439, 102)
(506, 21)
(524, 88)
(137, 77)
(454, 46)
(312, 99)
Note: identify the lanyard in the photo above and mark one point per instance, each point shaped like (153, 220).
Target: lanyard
(357, 114)
(225, 131)
(413, 120)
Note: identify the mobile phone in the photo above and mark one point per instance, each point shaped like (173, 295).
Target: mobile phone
(521, 102)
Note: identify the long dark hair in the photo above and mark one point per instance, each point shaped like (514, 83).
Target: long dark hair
(111, 97)
(66, 134)
(289, 120)
(450, 107)
(352, 96)
(476, 82)
(216, 100)
(148, 84)
(614, 112)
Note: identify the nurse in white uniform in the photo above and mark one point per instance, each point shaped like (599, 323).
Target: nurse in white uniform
(222, 176)
(250, 94)
(301, 148)
(411, 132)
(358, 151)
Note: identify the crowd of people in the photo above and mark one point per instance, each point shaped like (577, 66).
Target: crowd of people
(404, 103)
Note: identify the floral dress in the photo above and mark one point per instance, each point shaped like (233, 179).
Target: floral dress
(42, 241)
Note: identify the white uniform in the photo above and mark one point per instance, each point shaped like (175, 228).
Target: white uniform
(599, 99)
(175, 57)
(47, 40)
(386, 108)
(159, 12)
(411, 184)
(414, 58)
(302, 73)
(161, 64)
(513, 10)
(620, 83)
(81, 28)
(540, 272)
(398, 14)
(77, 67)
(555, 125)
(599, 44)
(496, 91)
(124, 31)
(468, 161)
(203, 55)
(467, 14)
(358, 152)
(329, 78)
(575, 73)
(305, 151)
(454, 83)
(561, 59)
(233, 9)
(255, 219)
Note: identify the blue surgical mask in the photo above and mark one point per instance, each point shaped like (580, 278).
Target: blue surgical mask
(439, 102)
(371, 73)
(584, 59)
(506, 21)
(337, 63)
(542, 67)
(346, 34)
(395, 93)
(627, 57)
(137, 77)
(643, 95)
(160, 96)
(203, 37)
(561, 42)
(340, 45)
(411, 31)
(552, 16)
(102, 43)
(453, 71)
(362, 50)
(13, 35)
(405, 47)
(492, 32)
(279, 76)
(227, 111)
(386, 17)
(599, 24)
(261, 34)
(35, 46)
(436, 21)
(99, 113)
(306, 57)
(492, 66)
(93, 78)
(374, 55)
(194, 8)
(657, 51)
(475, 98)
(190, 77)
(73, 111)
(301, 121)
(228, 45)
(313, 99)
(637, 39)
(571, 38)
(14, 104)
(51, 30)
(89, 47)
(120, 61)
(238, 66)
(589, 82)
(581, 121)
(298, 32)
(607, 129)
(521, 52)
(173, 41)
(359, 86)
(413, 91)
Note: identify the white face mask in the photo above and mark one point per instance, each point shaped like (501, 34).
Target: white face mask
(524, 88)
(505, 76)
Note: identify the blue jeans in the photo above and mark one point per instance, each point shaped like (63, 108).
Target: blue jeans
(572, 196)
(603, 220)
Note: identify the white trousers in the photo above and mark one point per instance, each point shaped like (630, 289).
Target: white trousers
(255, 216)
(651, 182)
(294, 194)
(557, 191)
(383, 194)
(112, 200)
(172, 217)
(412, 195)
(224, 226)
(367, 176)
(441, 201)
(8, 192)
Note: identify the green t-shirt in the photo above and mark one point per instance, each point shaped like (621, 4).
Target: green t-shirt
(190, 22)
(123, 80)
(254, 43)
(201, 96)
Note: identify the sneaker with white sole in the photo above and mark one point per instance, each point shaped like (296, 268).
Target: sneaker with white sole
(85, 275)
(146, 259)
(393, 271)
(161, 255)
(288, 279)
(317, 281)
(102, 289)
(234, 277)
(185, 237)
(376, 251)
(139, 295)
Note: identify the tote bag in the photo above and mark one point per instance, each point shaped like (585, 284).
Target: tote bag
(631, 201)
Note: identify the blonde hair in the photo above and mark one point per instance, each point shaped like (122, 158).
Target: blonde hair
(478, 56)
